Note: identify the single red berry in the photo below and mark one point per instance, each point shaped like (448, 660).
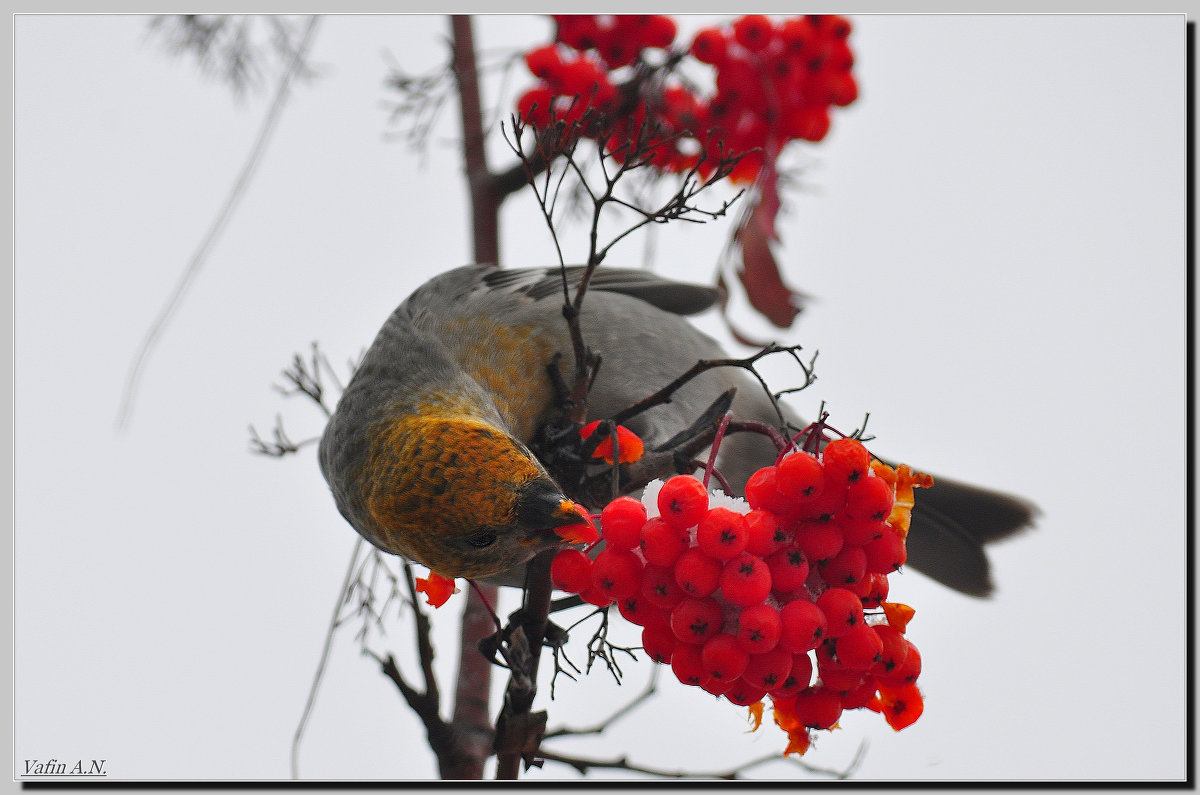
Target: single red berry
(859, 531)
(758, 628)
(907, 671)
(789, 569)
(837, 26)
(723, 658)
(659, 642)
(847, 567)
(859, 697)
(860, 648)
(617, 572)
(800, 475)
(900, 706)
(886, 553)
(682, 501)
(571, 571)
(659, 31)
(745, 580)
(710, 46)
(636, 609)
(696, 573)
(819, 540)
(595, 596)
(841, 680)
(869, 498)
(576, 30)
(843, 89)
(803, 626)
(762, 490)
(808, 122)
(769, 669)
(715, 686)
(545, 62)
(621, 523)
(823, 507)
(743, 693)
(818, 708)
(842, 610)
(797, 35)
(687, 665)
(661, 543)
(534, 106)
(895, 650)
(754, 32)
(659, 587)
(618, 52)
(764, 535)
(873, 590)
(722, 533)
(798, 677)
(846, 461)
(696, 620)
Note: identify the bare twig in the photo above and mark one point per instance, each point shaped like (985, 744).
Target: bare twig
(226, 211)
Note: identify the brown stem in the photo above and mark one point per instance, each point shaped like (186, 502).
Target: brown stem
(485, 201)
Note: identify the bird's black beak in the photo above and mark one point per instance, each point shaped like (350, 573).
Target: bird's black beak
(542, 508)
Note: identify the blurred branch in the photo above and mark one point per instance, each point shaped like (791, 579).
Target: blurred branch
(226, 211)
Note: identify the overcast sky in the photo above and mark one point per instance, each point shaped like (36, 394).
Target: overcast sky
(994, 236)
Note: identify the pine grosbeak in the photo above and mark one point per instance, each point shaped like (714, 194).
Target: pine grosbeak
(427, 457)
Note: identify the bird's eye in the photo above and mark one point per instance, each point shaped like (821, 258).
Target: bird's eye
(484, 538)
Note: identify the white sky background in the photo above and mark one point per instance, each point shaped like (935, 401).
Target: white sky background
(995, 236)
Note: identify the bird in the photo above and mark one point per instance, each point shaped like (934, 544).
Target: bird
(427, 453)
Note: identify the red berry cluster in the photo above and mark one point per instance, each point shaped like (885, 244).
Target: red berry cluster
(766, 597)
(775, 83)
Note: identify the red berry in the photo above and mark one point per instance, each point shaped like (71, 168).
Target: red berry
(661, 543)
(803, 626)
(636, 609)
(659, 31)
(759, 627)
(819, 540)
(682, 501)
(859, 697)
(743, 693)
(534, 106)
(841, 680)
(797, 35)
(798, 677)
(696, 620)
(545, 62)
(621, 523)
(809, 122)
(709, 46)
(576, 30)
(764, 535)
(818, 708)
(846, 461)
(860, 648)
(859, 531)
(770, 669)
(715, 686)
(842, 610)
(617, 572)
(873, 590)
(843, 89)
(571, 571)
(723, 658)
(696, 573)
(789, 569)
(886, 553)
(687, 665)
(595, 596)
(847, 567)
(800, 475)
(659, 642)
(659, 587)
(907, 671)
(762, 490)
(869, 498)
(900, 706)
(895, 650)
(837, 26)
(754, 32)
(722, 533)
(745, 580)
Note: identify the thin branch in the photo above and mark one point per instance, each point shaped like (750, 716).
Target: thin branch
(201, 255)
(320, 674)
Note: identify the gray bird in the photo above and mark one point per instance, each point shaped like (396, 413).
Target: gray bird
(427, 453)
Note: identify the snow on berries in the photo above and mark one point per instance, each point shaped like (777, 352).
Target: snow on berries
(782, 595)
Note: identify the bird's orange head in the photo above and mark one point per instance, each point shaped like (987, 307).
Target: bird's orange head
(460, 495)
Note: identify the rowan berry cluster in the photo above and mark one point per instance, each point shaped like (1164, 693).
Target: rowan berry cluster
(775, 82)
(772, 596)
